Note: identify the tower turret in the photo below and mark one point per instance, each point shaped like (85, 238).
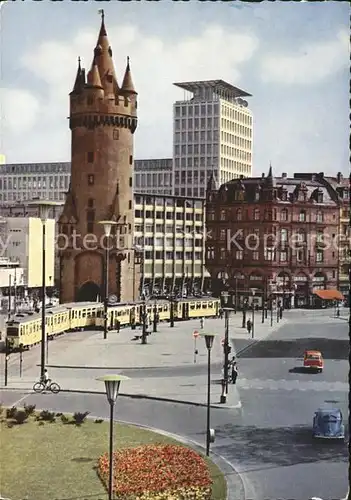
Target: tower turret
(101, 184)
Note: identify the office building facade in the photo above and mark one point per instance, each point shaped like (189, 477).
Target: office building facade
(171, 231)
(212, 133)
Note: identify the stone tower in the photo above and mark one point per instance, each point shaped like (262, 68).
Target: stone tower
(103, 119)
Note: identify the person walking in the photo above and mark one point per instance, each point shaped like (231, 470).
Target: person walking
(234, 372)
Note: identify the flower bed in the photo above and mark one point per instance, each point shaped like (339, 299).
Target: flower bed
(158, 472)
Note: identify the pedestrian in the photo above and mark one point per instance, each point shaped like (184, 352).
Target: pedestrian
(249, 325)
(202, 321)
(118, 325)
(234, 372)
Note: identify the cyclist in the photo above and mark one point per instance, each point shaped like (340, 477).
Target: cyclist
(45, 379)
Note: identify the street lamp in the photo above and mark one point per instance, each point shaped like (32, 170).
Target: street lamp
(43, 208)
(107, 229)
(245, 306)
(253, 312)
(209, 338)
(226, 347)
(112, 383)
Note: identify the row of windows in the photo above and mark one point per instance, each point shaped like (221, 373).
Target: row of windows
(168, 202)
(160, 228)
(189, 191)
(234, 114)
(196, 137)
(152, 179)
(190, 149)
(197, 110)
(235, 128)
(43, 168)
(44, 182)
(269, 254)
(168, 242)
(209, 161)
(236, 141)
(16, 196)
(236, 153)
(159, 255)
(148, 214)
(267, 215)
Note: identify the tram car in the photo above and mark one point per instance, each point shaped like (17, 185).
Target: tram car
(24, 330)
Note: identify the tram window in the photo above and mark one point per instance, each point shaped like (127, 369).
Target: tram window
(210, 304)
(204, 305)
(198, 305)
(192, 305)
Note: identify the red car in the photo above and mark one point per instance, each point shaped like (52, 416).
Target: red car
(313, 360)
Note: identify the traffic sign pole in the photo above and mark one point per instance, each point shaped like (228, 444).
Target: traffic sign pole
(195, 335)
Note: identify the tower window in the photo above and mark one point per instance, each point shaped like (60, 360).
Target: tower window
(90, 221)
(90, 203)
(90, 157)
(130, 160)
(130, 204)
(116, 134)
(130, 181)
(91, 180)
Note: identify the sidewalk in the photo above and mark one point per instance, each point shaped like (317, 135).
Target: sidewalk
(76, 359)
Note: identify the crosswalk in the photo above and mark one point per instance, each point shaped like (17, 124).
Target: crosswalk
(291, 385)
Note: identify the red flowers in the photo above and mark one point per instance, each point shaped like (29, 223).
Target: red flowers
(171, 470)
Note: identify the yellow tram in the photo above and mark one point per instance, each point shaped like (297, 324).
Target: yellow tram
(25, 329)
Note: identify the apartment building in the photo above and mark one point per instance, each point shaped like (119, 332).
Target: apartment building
(212, 133)
(171, 232)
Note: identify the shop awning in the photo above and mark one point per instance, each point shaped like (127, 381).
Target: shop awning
(331, 294)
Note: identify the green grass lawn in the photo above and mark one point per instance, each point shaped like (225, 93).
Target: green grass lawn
(54, 461)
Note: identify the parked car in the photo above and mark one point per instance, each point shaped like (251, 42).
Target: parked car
(327, 424)
(313, 360)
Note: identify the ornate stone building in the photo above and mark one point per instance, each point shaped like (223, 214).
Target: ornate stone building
(103, 119)
(274, 236)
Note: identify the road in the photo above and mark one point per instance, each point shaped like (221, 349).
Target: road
(269, 439)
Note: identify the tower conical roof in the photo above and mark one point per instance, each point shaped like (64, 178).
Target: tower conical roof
(127, 85)
(80, 79)
(211, 184)
(103, 59)
(94, 76)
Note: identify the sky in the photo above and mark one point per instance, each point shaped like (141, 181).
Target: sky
(293, 57)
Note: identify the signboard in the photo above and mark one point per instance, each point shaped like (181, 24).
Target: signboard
(195, 334)
(222, 341)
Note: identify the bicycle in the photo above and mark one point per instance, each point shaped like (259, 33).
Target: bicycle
(53, 387)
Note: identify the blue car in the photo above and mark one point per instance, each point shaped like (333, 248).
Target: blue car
(327, 424)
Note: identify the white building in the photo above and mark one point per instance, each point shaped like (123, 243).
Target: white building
(212, 132)
(21, 242)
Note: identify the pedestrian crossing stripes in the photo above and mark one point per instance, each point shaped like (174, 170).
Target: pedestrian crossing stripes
(292, 385)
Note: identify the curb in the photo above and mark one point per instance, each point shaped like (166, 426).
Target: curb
(227, 468)
(135, 396)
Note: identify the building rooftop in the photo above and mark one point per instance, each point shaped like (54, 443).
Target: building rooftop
(215, 85)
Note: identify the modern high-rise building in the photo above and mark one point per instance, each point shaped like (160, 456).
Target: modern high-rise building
(212, 133)
(153, 176)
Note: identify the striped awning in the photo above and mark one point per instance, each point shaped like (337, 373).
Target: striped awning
(331, 294)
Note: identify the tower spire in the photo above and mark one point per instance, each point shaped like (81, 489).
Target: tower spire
(80, 78)
(103, 58)
(127, 85)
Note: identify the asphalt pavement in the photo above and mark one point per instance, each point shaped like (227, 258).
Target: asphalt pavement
(268, 440)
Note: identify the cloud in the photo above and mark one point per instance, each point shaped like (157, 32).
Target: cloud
(19, 110)
(156, 63)
(312, 64)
